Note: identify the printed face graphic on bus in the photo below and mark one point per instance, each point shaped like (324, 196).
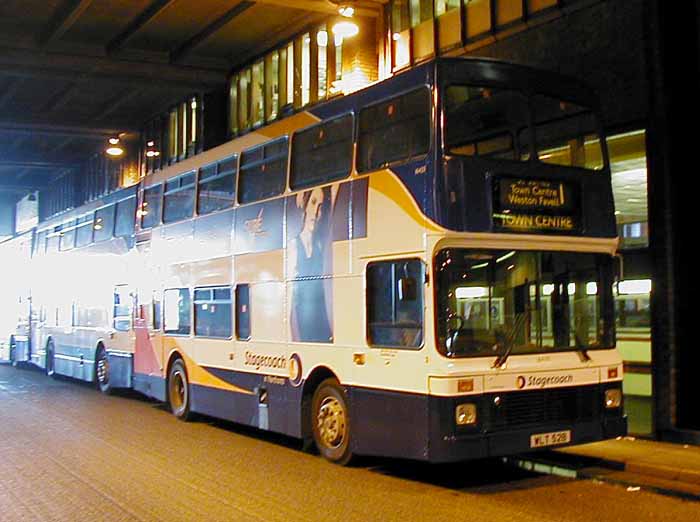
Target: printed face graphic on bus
(311, 204)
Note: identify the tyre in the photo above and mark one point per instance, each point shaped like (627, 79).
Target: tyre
(179, 391)
(330, 422)
(50, 359)
(102, 371)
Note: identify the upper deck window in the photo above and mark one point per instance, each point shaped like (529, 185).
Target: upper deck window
(263, 171)
(178, 198)
(104, 224)
(394, 130)
(126, 214)
(151, 206)
(84, 231)
(67, 236)
(217, 186)
(322, 153)
(566, 134)
(486, 122)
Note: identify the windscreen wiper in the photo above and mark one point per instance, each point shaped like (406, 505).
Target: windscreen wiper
(509, 343)
(581, 349)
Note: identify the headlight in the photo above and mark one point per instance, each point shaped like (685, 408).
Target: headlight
(465, 414)
(613, 398)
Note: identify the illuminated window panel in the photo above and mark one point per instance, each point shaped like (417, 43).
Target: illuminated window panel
(478, 17)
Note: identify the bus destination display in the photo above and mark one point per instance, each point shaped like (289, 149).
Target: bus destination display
(529, 205)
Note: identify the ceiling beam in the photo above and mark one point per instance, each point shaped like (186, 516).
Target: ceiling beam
(323, 6)
(21, 163)
(34, 63)
(82, 130)
(148, 15)
(190, 45)
(63, 19)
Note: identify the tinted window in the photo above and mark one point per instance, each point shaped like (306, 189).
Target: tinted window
(177, 311)
(212, 312)
(217, 186)
(486, 122)
(178, 198)
(395, 303)
(150, 208)
(122, 308)
(68, 236)
(396, 130)
(242, 312)
(126, 214)
(263, 171)
(104, 223)
(84, 231)
(322, 153)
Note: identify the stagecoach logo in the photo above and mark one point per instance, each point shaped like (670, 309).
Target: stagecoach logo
(265, 361)
(255, 226)
(543, 381)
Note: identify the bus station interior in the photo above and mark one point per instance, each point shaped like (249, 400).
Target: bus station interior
(167, 80)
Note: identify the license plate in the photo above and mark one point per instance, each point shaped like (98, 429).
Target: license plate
(553, 438)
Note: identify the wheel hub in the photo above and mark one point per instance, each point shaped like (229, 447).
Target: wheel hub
(331, 422)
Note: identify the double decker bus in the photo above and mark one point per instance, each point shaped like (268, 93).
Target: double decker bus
(421, 269)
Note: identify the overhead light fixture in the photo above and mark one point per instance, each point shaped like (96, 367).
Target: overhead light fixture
(346, 10)
(114, 149)
(346, 29)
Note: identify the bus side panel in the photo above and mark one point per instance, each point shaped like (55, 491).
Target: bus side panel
(390, 424)
(264, 402)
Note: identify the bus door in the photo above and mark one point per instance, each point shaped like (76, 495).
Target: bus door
(148, 350)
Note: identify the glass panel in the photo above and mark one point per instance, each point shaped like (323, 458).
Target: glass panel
(244, 94)
(177, 311)
(84, 231)
(305, 69)
(233, 106)
(492, 303)
(172, 135)
(217, 188)
(486, 122)
(258, 104)
(263, 171)
(122, 308)
(396, 130)
(183, 114)
(395, 303)
(68, 236)
(104, 223)
(212, 313)
(156, 313)
(290, 74)
(566, 134)
(322, 153)
(243, 330)
(150, 208)
(442, 6)
(126, 214)
(178, 200)
(421, 11)
(628, 163)
(322, 41)
(272, 77)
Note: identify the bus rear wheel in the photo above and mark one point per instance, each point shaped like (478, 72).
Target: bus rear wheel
(50, 359)
(179, 391)
(330, 422)
(102, 371)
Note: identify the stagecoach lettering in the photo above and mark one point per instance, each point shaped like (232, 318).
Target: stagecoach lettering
(265, 361)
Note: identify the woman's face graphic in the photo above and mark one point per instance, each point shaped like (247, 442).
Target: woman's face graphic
(312, 212)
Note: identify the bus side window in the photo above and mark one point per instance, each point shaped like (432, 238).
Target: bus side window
(395, 303)
(242, 312)
(155, 313)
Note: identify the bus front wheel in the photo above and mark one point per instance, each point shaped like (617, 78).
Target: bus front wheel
(179, 391)
(330, 420)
